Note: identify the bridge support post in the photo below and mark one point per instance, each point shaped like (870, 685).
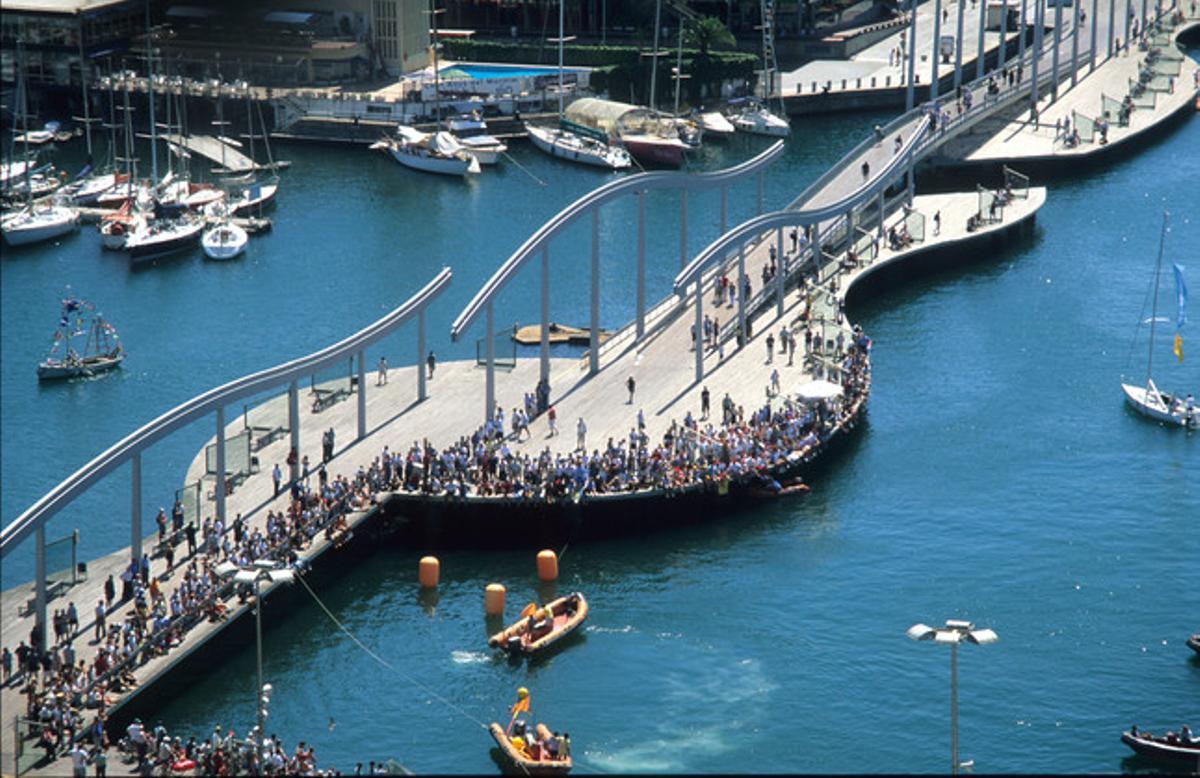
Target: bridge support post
(912, 178)
(761, 184)
(594, 348)
(294, 426)
(958, 45)
(935, 49)
(1075, 43)
(1003, 54)
(220, 484)
(683, 241)
(362, 392)
(881, 214)
(1036, 58)
(39, 584)
(135, 506)
(641, 266)
(741, 293)
(1112, 25)
(699, 325)
(780, 272)
(544, 337)
(1054, 52)
(982, 50)
(1024, 30)
(1092, 46)
(1145, 16)
(422, 391)
(912, 58)
(489, 350)
(724, 206)
(1128, 21)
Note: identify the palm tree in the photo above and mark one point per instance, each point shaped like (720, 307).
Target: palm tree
(709, 33)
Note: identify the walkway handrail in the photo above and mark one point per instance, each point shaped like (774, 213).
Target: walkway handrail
(184, 413)
(789, 217)
(597, 197)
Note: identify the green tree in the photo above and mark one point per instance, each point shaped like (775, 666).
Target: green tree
(708, 33)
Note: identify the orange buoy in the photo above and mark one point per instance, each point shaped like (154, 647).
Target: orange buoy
(547, 565)
(428, 571)
(493, 599)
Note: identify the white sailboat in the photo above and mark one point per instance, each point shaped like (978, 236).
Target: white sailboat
(435, 152)
(1148, 399)
(756, 117)
(715, 125)
(570, 143)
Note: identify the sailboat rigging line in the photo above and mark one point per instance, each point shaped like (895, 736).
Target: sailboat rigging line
(1141, 319)
(1162, 239)
(383, 661)
(523, 169)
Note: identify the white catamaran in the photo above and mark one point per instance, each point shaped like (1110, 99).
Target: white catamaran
(1147, 399)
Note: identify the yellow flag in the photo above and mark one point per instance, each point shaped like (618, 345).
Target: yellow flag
(1178, 347)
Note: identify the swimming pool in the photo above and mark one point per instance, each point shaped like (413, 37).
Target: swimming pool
(500, 71)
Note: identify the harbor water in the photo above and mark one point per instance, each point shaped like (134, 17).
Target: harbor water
(1000, 478)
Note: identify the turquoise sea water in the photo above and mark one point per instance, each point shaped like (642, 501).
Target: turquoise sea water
(1000, 479)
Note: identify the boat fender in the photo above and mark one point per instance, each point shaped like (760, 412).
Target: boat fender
(547, 565)
(428, 572)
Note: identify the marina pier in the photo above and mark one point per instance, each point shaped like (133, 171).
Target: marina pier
(862, 227)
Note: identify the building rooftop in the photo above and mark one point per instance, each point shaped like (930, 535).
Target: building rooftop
(66, 7)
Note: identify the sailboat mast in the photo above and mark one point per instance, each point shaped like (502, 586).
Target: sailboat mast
(679, 66)
(22, 103)
(150, 99)
(87, 119)
(1162, 238)
(654, 58)
(562, 4)
(437, 82)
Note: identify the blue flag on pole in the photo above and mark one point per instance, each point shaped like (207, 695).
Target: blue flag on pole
(1181, 297)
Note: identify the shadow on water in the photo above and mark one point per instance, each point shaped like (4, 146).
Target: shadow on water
(1144, 765)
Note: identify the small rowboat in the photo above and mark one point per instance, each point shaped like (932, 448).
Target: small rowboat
(520, 763)
(768, 487)
(529, 635)
(1194, 642)
(1178, 752)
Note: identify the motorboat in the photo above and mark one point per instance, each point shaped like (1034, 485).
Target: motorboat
(757, 119)
(37, 223)
(1147, 399)
(224, 240)
(1193, 642)
(162, 237)
(472, 132)
(526, 761)
(247, 198)
(101, 351)
(1181, 750)
(434, 153)
(540, 628)
(564, 144)
(652, 149)
(715, 125)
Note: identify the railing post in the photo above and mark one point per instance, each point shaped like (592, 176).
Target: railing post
(489, 350)
(958, 45)
(39, 586)
(594, 348)
(544, 338)
(294, 425)
(641, 266)
(982, 51)
(779, 272)
(741, 292)
(220, 485)
(934, 49)
(912, 56)
(1054, 52)
(362, 392)
(683, 241)
(699, 325)
(422, 390)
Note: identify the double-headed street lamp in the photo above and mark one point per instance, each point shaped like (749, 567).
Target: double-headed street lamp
(952, 634)
(257, 572)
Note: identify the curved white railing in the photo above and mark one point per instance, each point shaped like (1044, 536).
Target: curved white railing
(594, 199)
(185, 413)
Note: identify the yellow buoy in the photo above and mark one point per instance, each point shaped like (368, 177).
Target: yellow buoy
(428, 571)
(493, 599)
(547, 565)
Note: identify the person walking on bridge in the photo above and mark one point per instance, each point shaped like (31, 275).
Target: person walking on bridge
(431, 362)
(581, 435)
(381, 377)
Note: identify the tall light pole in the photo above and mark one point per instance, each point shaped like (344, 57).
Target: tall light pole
(952, 634)
(256, 573)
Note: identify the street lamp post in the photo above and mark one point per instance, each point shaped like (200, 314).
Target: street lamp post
(952, 634)
(256, 573)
